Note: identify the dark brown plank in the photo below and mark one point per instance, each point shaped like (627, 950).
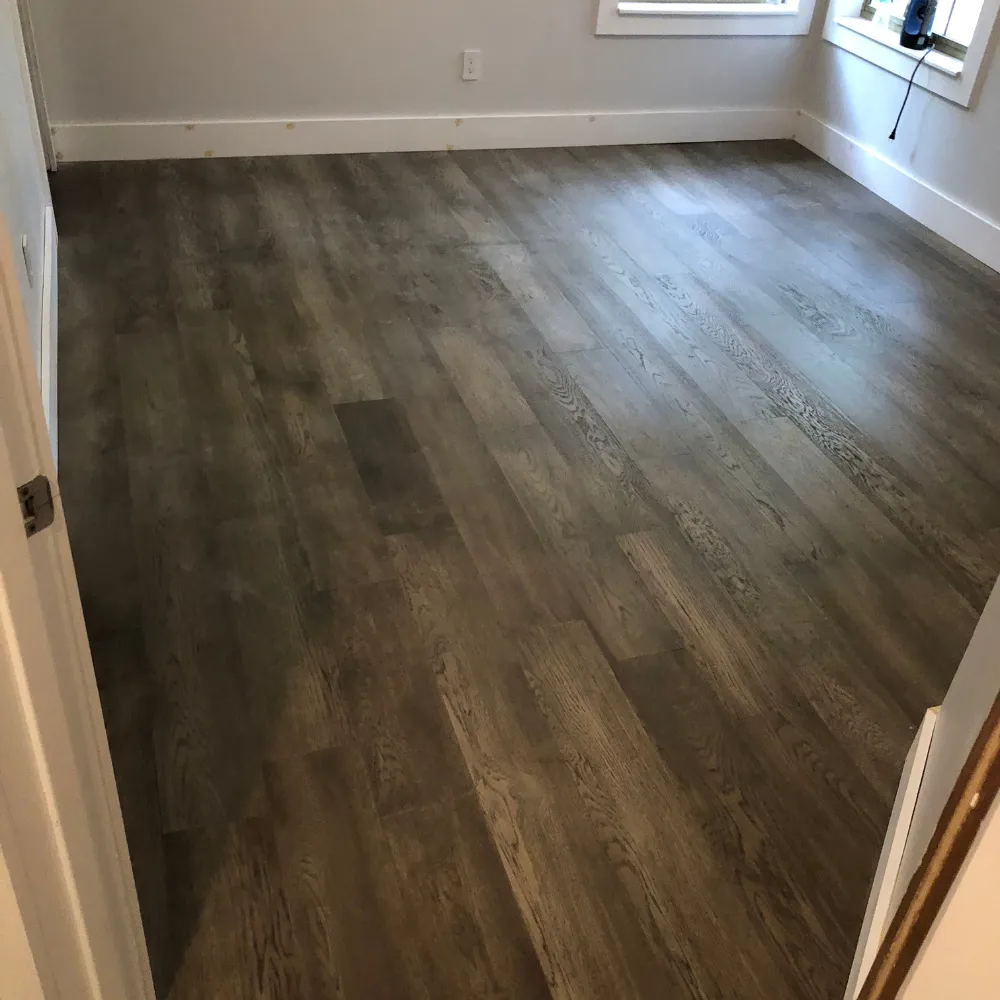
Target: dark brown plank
(522, 578)
(602, 582)
(392, 467)
(344, 898)
(559, 875)
(598, 731)
(469, 938)
(752, 817)
(231, 926)
(385, 682)
(615, 488)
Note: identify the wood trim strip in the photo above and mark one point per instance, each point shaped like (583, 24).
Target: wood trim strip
(963, 814)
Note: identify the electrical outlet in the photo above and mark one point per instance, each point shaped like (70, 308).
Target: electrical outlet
(472, 64)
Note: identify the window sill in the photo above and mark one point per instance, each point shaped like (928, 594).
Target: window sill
(948, 65)
(641, 17)
(654, 9)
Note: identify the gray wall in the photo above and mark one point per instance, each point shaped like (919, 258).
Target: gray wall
(163, 60)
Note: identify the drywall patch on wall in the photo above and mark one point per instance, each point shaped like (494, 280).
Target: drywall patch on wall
(958, 223)
(162, 140)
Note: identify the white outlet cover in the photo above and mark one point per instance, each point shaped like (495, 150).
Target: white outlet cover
(472, 64)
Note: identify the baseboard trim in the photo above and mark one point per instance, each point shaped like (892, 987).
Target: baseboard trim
(957, 223)
(879, 911)
(50, 328)
(170, 140)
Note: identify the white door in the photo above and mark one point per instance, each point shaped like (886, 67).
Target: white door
(26, 203)
(61, 832)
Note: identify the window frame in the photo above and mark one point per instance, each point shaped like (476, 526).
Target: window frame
(749, 17)
(948, 77)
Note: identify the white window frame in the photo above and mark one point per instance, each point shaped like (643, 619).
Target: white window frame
(952, 79)
(635, 17)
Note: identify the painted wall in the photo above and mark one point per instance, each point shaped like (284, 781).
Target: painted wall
(134, 60)
(24, 188)
(950, 148)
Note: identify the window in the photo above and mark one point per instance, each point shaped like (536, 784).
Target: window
(704, 17)
(870, 29)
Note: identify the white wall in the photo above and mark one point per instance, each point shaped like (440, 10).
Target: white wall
(952, 149)
(24, 189)
(148, 60)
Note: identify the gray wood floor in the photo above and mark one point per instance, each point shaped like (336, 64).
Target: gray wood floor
(517, 574)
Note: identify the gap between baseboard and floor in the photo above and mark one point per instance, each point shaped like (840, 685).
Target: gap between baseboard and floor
(941, 213)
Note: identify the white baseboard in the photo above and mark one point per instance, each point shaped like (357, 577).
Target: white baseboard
(879, 912)
(50, 329)
(957, 223)
(168, 140)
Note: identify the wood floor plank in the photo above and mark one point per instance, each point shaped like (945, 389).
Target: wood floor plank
(392, 467)
(385, 681)
(129, 702)
(742, 804)
(343, 356)
(457, 621)
(470, 939)
(331, 529)
(748, 555)
(598, 731)
(485, 386)
(542, 301)
(208, 760)
(522, 577)
(500, 184)
(343, 895)
(612, 483)
(720, 461)
(701, 615)
(420, 207)
(557, 876)
(94, 468)
(846, 351)
(287, 666)
(878, 628)
(481, 222)
(227, 880)
(605, 586)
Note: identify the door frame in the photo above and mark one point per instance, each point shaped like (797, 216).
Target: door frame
(33, 81)
(61, 828)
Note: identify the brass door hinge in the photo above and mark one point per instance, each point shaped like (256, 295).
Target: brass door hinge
(36, 505)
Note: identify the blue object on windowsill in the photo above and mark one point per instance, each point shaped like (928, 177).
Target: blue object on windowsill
(917, 23)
